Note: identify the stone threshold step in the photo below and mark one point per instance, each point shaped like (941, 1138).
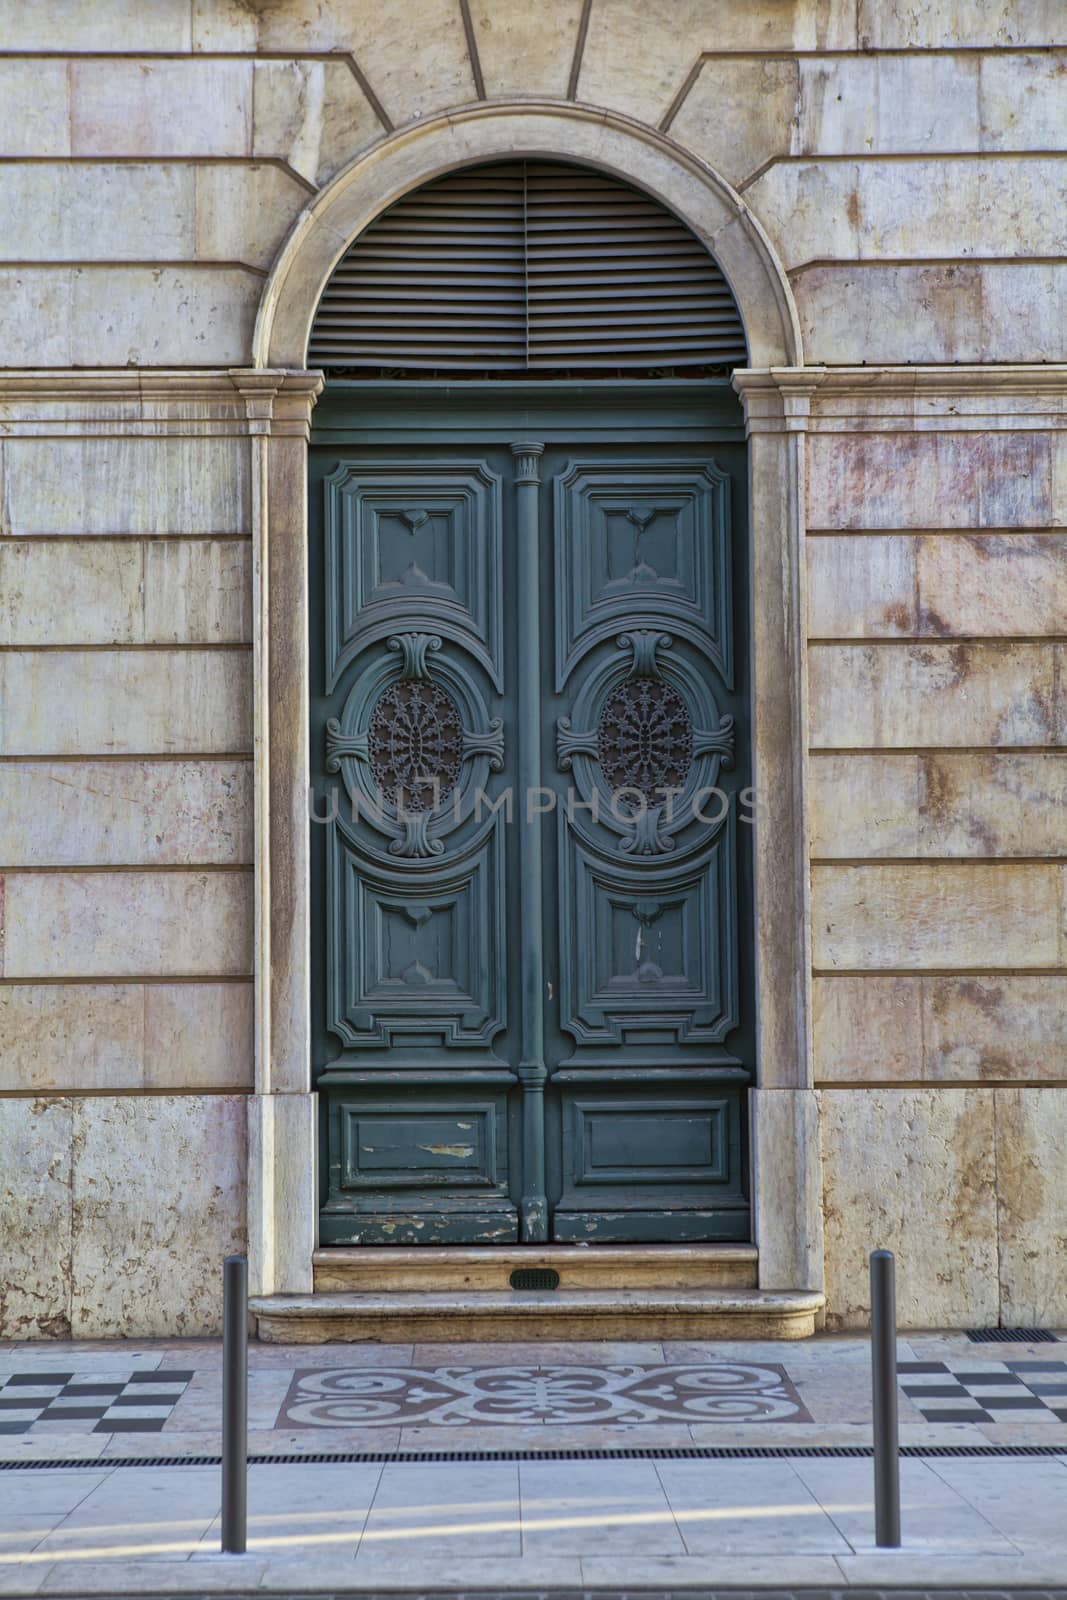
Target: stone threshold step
(400, 1316)
(704, 1266)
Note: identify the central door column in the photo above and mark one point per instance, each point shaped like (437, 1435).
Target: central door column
(533, 1211)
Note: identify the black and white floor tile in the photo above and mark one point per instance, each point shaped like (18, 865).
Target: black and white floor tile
(137, 1402)
(727, 1391)
(1027, 1390)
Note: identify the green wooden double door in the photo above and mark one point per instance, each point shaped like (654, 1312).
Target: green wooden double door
(531, 837)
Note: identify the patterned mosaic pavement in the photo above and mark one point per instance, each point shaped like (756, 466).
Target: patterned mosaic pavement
(503, 1396)
(163, 1397)
(137, 1402)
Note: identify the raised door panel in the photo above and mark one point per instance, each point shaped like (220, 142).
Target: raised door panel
(416, 930)
(647, 746)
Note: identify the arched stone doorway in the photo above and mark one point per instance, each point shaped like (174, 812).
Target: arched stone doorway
(783, 1125)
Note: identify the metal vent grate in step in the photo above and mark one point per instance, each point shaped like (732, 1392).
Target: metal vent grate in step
(534, 1278)
(1011, 1336)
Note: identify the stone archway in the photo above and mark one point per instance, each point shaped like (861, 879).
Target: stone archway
(775, 392)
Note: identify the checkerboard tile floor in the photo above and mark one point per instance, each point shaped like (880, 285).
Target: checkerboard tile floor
(138, 1402)
(986, 1391)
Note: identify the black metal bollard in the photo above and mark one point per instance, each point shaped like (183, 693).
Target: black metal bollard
(884, 1395)
(235, 1406)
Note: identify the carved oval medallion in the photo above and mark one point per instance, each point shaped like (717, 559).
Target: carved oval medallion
(415, 745)
(645, 739)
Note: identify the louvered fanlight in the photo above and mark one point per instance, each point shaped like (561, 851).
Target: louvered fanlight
(527, 266)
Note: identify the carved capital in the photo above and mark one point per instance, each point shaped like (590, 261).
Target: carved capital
(527, 453)
(777, 399)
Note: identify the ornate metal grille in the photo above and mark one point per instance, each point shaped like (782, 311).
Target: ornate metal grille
(415, 745)
(645, 739)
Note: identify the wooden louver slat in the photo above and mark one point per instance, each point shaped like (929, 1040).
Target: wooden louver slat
(524, 266)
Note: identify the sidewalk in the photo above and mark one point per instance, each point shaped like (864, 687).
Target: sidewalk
(76, 1516)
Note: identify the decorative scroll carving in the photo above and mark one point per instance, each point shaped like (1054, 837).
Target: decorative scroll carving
(716, 742)
(570, 744)
(415, 742)
(488, 742)
(644, 642)
(339, 745)
(413, 647)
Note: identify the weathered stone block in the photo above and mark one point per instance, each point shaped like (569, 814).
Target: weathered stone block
(125, 813)
(852, 104)
(867, 1030)
(76, 25)
(1002, 804)
(198, 592)
(940, 1029)
(931, 480)
(68, 592)
(992, 584)
(1031, 1129)
(1024, 100)
(939, 803)
(244, 212)
(312, 114)
(100, 212)
(163, 316)
(914, 915)
(65, 1037)
(881, 586)
(75, 1038)
(862, 587)
(935, 694)
(526, 50)
(860, 805)
(976, 205)
(198, 1036)
(960, 311)
(895, 1161)
(943, 24)
(127, 924)
(740, 112)
(183, 486)
(114, 702)
(140, 1266)
(35, 1209)
(1002, 1026)
(35, 96)
(109, 592)
(160, 108)
(638, 52)
(414, 55)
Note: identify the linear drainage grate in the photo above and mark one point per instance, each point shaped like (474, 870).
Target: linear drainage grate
(1011, 1336)
(707, 1452)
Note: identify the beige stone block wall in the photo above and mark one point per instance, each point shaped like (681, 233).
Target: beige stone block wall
(126, 852)
(938, 776)
(906, 162)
